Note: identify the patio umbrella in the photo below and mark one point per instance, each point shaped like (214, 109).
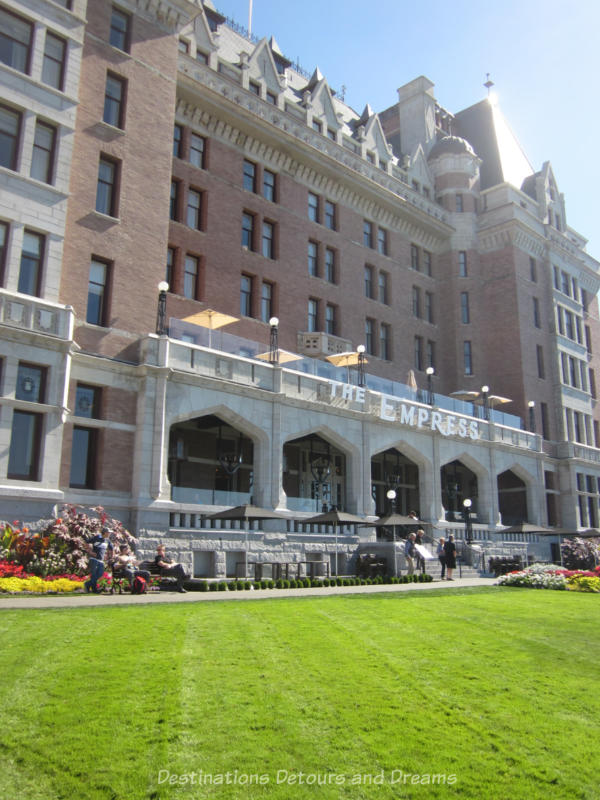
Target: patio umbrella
(283, 356)
(391, 521)
(246, 513)
(335, 518)
(211, 319)
(540, 530)
(347, 359)
(411, 380)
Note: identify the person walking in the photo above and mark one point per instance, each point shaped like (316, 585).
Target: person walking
(409, 553)
(419, 541)
(99, 545)
(450, 555)
(442, 556)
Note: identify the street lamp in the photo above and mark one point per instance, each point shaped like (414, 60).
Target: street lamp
(391, 496)
(161, 317)
(361, 364)
(430, 373)
(485, 390)
(531, 407)
(467, 517)
(273, 341)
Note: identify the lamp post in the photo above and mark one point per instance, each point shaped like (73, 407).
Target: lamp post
(361, 364)
(467, 517)
(430, 373)
(485, 390)
(161, 317)
(274, 341)
(391, 496)
(531, 407)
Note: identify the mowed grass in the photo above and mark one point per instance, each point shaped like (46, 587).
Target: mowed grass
(334, 697)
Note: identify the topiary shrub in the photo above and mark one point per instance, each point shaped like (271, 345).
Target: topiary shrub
(223, 586)
(203, 586)
(213, 587)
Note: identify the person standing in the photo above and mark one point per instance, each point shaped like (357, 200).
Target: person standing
(442, 556)
(409, 553)
(420, 560)
(450, 556)
(99, 545)
(169, 568)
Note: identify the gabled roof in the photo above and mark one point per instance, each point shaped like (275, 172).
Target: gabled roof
(503, 160)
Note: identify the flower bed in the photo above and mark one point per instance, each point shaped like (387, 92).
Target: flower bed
(551, 576)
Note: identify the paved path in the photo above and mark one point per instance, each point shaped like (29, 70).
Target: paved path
(86, 600)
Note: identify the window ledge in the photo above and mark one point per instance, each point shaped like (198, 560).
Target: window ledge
(106, 217)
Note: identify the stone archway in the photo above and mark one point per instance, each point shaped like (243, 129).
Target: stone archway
(458, 483)
(512, 498)
(392, 469)
(314, 474)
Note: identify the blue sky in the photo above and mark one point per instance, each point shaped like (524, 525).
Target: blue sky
(543, 56)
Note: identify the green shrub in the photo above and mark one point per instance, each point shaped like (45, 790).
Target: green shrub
(223, 586)
(203, 586)
(213, 587)
(256, 585)
(247, 585)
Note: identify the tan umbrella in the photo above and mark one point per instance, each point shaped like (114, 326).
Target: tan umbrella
(477, 398)
(347, 359)
(284, 356)
(411, 380)
(211, 319)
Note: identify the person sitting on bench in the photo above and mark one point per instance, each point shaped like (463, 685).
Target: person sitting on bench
(169, 569)
(126, 563)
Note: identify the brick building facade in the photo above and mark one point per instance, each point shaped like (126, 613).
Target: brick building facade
(159, 143)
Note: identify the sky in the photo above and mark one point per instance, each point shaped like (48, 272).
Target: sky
(542, 55)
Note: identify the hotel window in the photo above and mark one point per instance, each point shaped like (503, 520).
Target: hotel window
(184, 47)
(385, 342)
(330, 321)
(560, 318)
(578, 329)
(331, 134)
(556, 277)
(462, 263)
(23, 459)
(418, 362)
(120, 24)
(197, 150)
(84, 450)
(268, 239)
(114, 102)
(545, 424)
(383, 287)
(266, 301)
(271, 98)
(330, 215)
(369, 281)
(565, 283)
(10, 128)
(370, 336)
(427, 262)
(459, 203)
(416, 302)
(97, 293)
(190, 277)
(4, 247)
(44, 148)
(588, 338)
(313, 259)
(170, 267)
(569, 330)
(106, 190)
(536, 313)
(430, 353)
(317, 126)
(368, 234)
(269, 185)
(174, 201)
(15, 41)
(575, 289)
(429, 307)
(194, 209)
(329, 265)
(177, 140)
(248, 231)
(53, 64)
(249, 176)
(246, 296)
(583, 373)
(313, 207)
(540, 361)
(382, 241)
(31, 383)
(30, 270)
(201, 57)
(533, 269)
(467, 358)
(414, 257)
(592, 380)
(254, 88)
(464, 308)
(313, 315)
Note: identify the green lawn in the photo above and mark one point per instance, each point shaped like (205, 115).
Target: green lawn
(497, 687)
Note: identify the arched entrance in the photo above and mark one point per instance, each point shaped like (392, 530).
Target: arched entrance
(210, 462)
(314, 474)
(512, 498)
(458, 483)
(393, 470)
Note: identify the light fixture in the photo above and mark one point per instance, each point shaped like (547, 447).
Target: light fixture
(361, 364)
(391, 496)
(531, 407)
(161, 316)
(467, 503)
(430, 373)
(486, 408)
(274, 341)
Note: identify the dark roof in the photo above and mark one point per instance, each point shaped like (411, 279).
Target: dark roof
(451, 144)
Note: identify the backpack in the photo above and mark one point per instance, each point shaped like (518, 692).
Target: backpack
(139, 585)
